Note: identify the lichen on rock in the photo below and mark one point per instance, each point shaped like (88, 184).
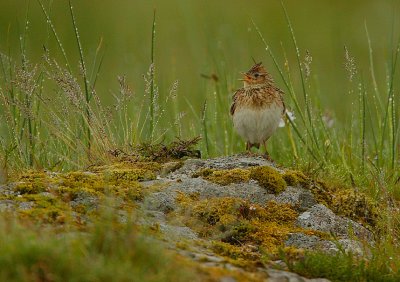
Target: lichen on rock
(225, 176)
(268, 178)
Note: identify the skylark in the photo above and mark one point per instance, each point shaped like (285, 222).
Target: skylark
(257, 108)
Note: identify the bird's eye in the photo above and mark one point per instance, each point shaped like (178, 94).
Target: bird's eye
(256, 75)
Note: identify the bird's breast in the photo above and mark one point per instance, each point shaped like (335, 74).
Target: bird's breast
(257, 124)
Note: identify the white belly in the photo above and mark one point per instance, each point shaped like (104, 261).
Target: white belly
(256, 126)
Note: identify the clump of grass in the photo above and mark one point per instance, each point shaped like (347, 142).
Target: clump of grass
(160, 152)
(54, 116)
(109, 251)
(347, 267)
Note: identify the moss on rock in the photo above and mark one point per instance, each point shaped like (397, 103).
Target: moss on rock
(236, 222)
(268, 178)
(45, 209)
(31, 182)
(295, 177)
(341, 199)
(355, 205)
(243, 256)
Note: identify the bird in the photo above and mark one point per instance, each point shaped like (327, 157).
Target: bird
(257, 107)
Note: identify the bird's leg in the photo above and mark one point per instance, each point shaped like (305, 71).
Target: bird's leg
(267, 155)
(248, 148)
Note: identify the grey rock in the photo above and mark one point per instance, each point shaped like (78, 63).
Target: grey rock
(312, 243)
(227, 279)
(285, 276)
(26, 205)
(236, 161)
(7, 205)
(303, 241)
(320, 218)
(353, 246)
(89, 201)
(177, 233)
(300, 198)
(8, 189)
(165, 200)
(161, 201)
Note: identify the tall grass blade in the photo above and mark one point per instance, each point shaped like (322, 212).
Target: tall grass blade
(53, 29)
(85, 126)
(305, 93)
(152, 77)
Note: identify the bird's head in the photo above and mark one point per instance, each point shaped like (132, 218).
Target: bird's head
(256, 75)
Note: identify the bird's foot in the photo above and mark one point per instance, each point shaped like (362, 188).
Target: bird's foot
(268, 157)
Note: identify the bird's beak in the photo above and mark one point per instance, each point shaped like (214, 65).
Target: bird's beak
(246, 77)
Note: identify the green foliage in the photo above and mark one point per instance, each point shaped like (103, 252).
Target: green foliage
(343, 267)
(109, 251)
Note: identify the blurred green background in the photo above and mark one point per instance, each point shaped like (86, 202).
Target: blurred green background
(206, 37)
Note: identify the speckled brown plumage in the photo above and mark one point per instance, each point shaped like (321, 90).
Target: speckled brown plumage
(257, 107)
(258, 97)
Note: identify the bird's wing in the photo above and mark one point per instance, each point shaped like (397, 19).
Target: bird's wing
(235, 98)
(280, 95)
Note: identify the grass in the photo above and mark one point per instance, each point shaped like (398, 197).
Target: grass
(106, 251)
(57, 118)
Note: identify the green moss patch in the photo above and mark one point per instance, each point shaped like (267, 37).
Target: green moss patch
(55, 197)
(294, 178)
(237, 223)
(31, 182)
(268, 178)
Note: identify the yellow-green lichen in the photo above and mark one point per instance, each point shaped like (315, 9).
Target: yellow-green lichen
(130, 170)
(129, 174)
(275, 212)
(268, 178)
(45, 209)
(295, 177)
(225, 176)
(217, 210)
(338, 197)
(236, 222)
(244, 255)
(355, 205)
(79, 192)
(31, 182)
(346, 201)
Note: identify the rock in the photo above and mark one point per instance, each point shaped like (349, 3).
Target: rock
(160, 201)
(8, 189)
(86, 200)
(285, 276)
(236, 161)
(165, 200)
(300, 198)
(227, 279)
(7, 205)
(177, 233)
(320, 218)
(312, 243)
(307, 242)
